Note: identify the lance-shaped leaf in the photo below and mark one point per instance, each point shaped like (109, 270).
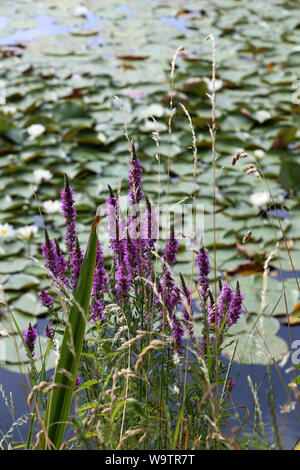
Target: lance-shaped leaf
(57, 413)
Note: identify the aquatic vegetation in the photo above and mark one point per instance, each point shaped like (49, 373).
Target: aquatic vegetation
(153, 308)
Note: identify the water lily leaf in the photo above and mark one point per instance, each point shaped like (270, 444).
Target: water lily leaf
(20, 281)
(15, 355)
(13, 266)
(22, 319)
(30, 304)
(257, 341)
(245, 269)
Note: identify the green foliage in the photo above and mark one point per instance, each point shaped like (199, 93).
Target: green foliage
(58, 409)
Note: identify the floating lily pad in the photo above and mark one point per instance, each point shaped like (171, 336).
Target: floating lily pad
(257, 341)
(14, 355)
(20, 281)
(30, 304)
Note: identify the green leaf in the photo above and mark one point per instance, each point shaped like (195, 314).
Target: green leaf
(59, 403)
(20, 281)
(257, 341)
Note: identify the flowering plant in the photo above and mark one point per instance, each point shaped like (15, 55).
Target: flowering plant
(140, 310)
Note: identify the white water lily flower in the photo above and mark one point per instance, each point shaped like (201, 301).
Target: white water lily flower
(42, 175)
(6, 232)
(9, 110)
(27, 233)
(209, 83)
(259, 199)
(81, 10)
(259, 153)
(51, 207)
(35, 130)
(76, 76)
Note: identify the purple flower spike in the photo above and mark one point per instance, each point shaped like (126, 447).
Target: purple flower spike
(235, 308)
(203, 266)
(69, 212)
(30, 336)
(171, 248)
(98, 311)
(49, 253)
(177, 333)
(55, 260)
(123, 282)
(100, 279)
(75, 262)
(224, 300)
(134, 178)
(61, 267)
(45, 299)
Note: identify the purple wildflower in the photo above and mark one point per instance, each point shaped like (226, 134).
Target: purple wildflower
(132, 258)
(100, 279)
(61, 265)
(75, 263)
(224, 300)
(69, 213)
(49, 331)
(49, 253)
(123, 282)
(134, 178)
(177, 333)
(45, 299)
(30, 336)
(55, 260)
(235, 308)
(98, 311)
(203, 265)
(171, 248)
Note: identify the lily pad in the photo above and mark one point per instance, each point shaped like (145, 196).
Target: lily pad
(257, 341)
(20, 281)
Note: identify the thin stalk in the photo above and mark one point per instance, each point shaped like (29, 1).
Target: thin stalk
(213, 130)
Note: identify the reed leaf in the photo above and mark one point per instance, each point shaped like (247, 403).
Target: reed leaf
(58, 408)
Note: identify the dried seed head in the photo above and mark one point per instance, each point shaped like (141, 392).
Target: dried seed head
(155, 343)
(238, 155)
(253, 171)
(247, 236)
